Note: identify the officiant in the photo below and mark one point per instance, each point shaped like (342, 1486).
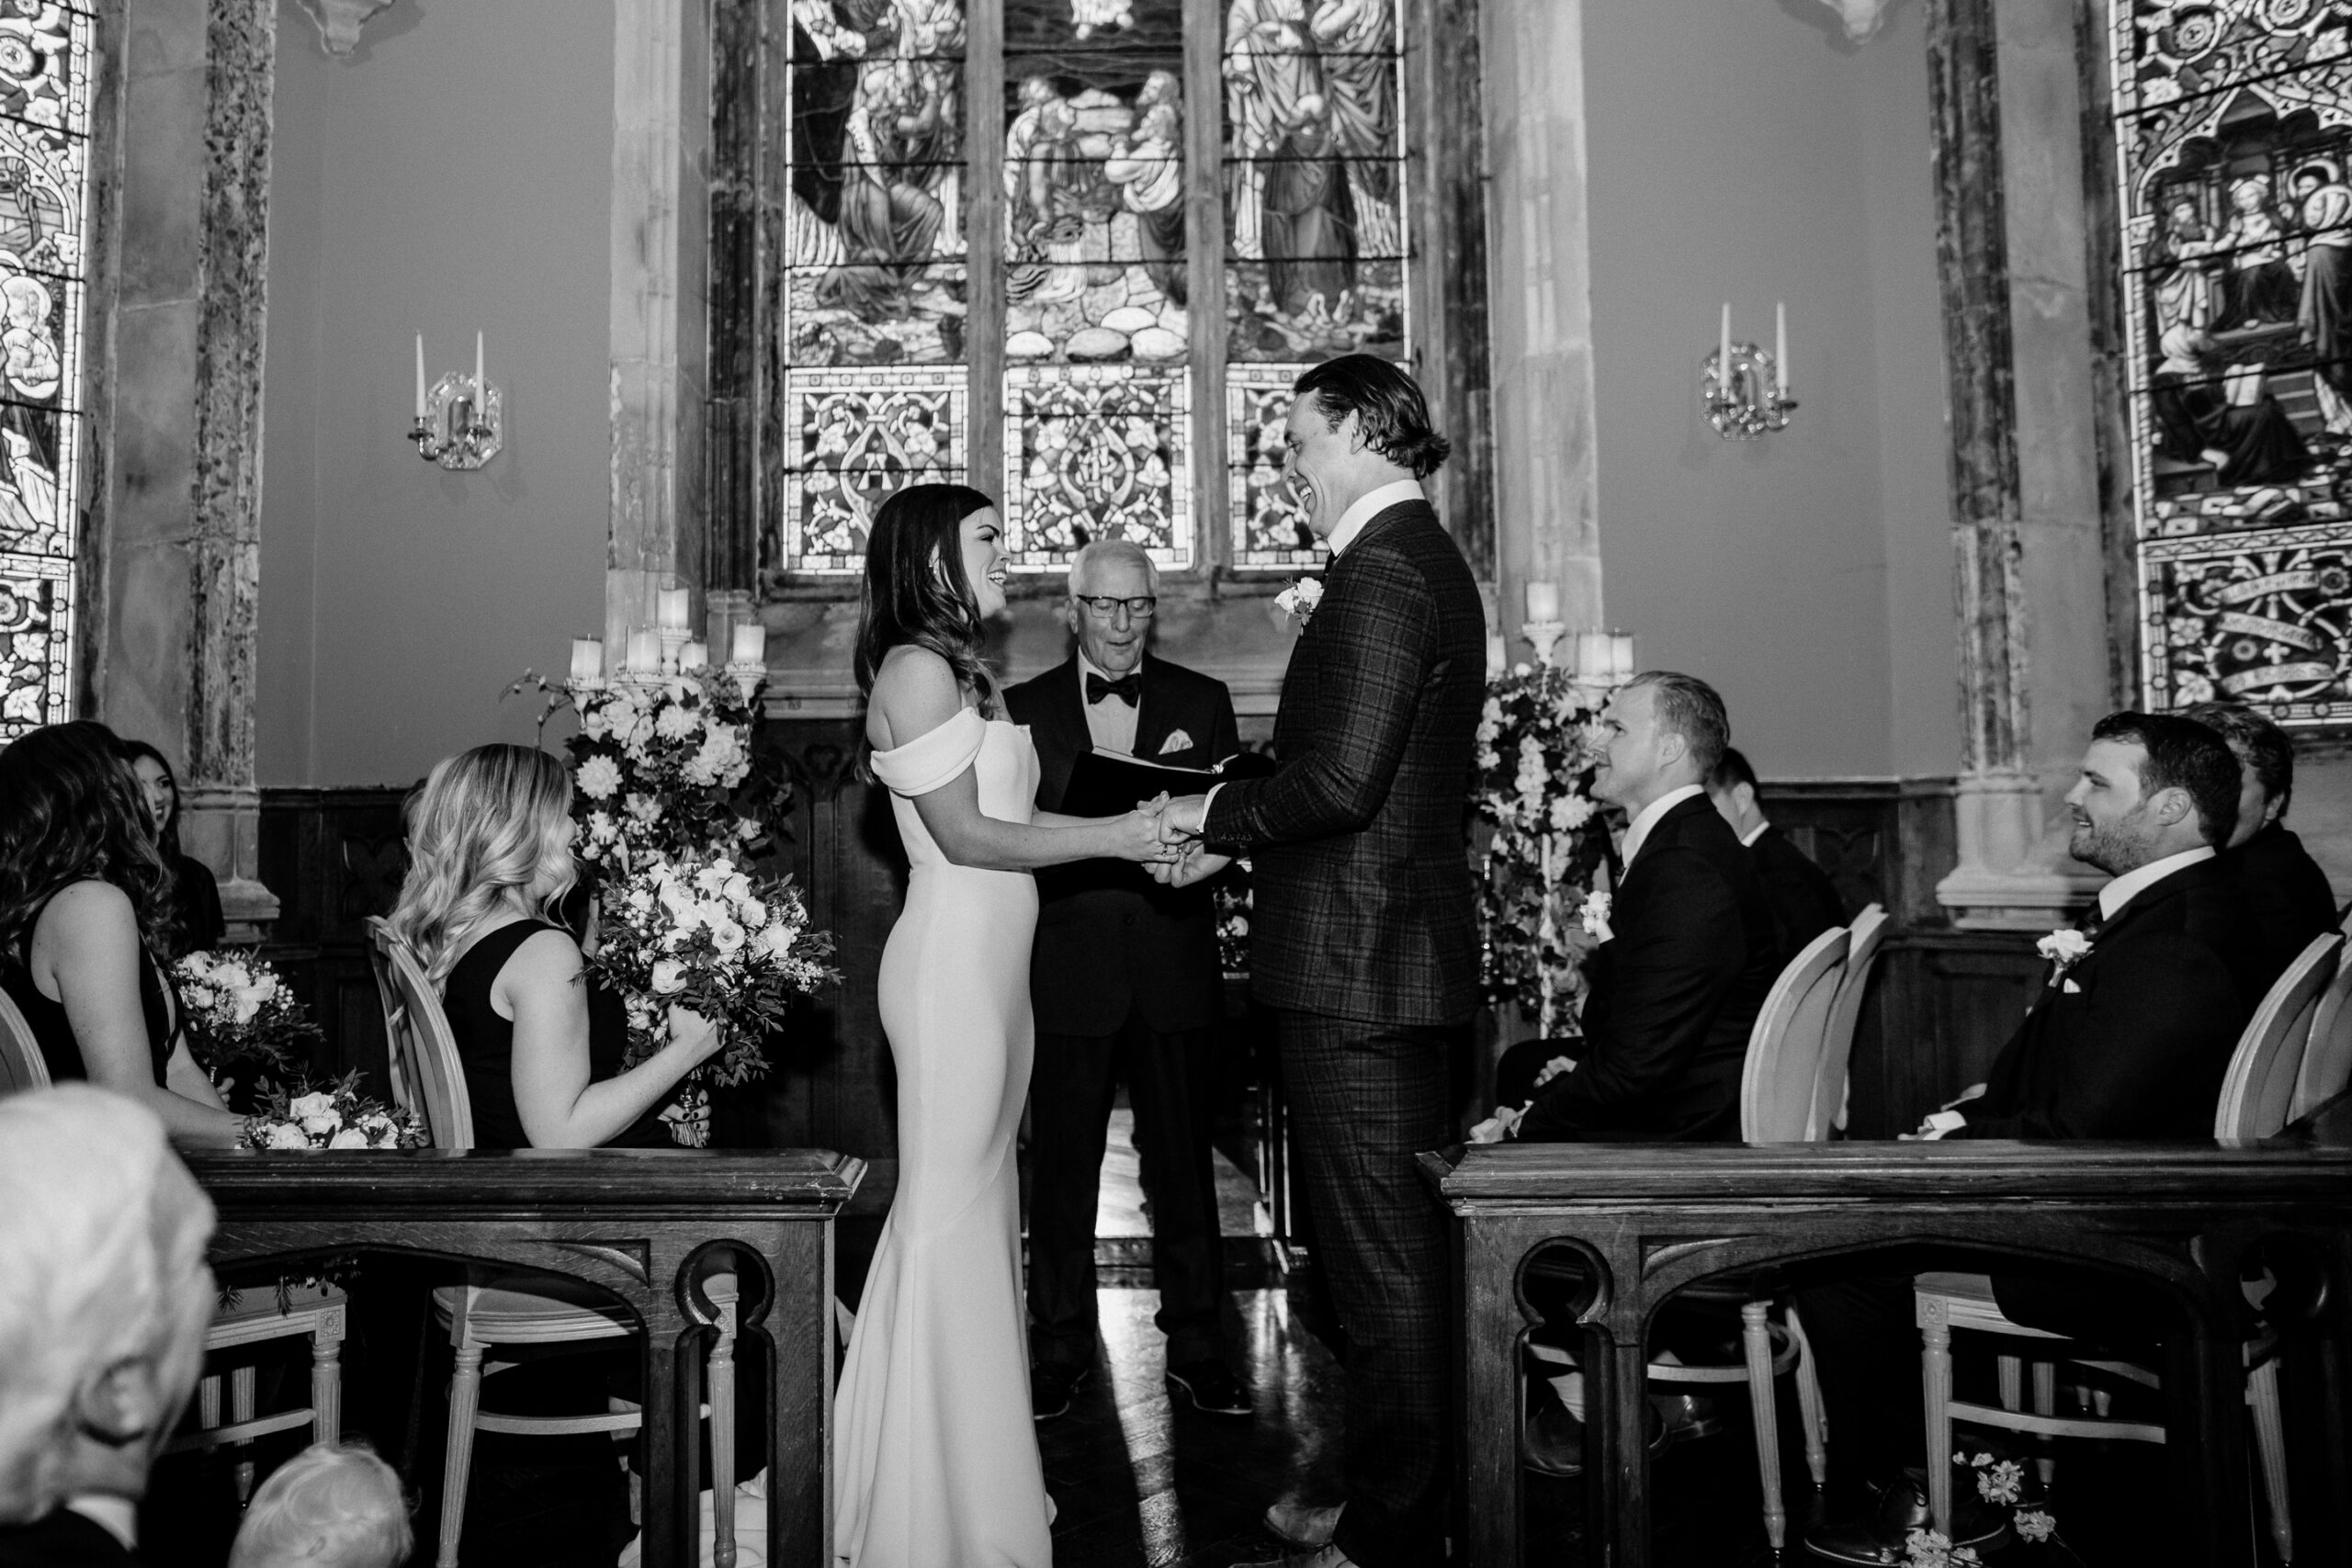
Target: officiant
(1125, 978)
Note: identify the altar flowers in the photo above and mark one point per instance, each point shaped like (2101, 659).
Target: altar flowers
(697, 932)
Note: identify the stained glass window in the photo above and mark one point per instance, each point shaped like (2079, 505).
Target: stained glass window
(44, 161)
(2232, 130)
(1080, 376)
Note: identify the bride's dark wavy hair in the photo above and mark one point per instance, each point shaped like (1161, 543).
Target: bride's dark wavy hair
(71, 811)
(915, 588)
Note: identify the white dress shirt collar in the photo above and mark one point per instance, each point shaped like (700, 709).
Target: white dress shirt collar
(1747, 839)
(1639, 834)
(1088, 667)
(118, 1517)
(1369, 505)
(2122, 891)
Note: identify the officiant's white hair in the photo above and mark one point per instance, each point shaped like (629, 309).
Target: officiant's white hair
(86, 1181)
(1103, 552)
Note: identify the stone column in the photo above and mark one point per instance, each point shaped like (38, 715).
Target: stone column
(1540, 308)
(2031, 584)
(181, 514)
(659, 310)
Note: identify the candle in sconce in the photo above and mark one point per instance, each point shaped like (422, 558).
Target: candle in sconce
(696, 655)
(1620, 655)
(1543, 602)
(482, 386)
(587, 659)
(644, 652)
(1722, 357)
(671, 609)
(419, 379)
(1497, 655)
(750, 645)
(1780, 345)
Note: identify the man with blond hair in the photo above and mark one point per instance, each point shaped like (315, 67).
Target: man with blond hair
(104, 1297)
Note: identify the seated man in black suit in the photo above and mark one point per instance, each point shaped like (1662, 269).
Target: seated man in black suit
(1676, 985)
(104, 1297)
(1805, 901)
(2292, 900)
(2130, 1038)
(1126, 981)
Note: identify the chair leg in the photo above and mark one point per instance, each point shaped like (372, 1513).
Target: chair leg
(2045, 1403)
(327, 1388)
(241, 1409)
(2271, 1450)
(465, 1400)
(1817, 1424)
(1755, 1332)
(1934, 1378)
(722, 1440)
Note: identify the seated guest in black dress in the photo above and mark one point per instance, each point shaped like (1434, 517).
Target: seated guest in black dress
(2292, 900)
(104, 1299)
(195, 896)
(85, 915)
(489, 847)
(1805, 901)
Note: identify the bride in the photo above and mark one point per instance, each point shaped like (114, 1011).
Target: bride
(936, 1455)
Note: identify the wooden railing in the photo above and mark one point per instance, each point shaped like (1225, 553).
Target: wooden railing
(639, 1224)
(1649, 1220)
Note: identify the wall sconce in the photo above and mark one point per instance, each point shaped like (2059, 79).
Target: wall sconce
(1745, 390)
(460, 421)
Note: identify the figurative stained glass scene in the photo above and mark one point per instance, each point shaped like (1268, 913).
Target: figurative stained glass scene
(44, 156)
(1097, 397)
(2233, 125)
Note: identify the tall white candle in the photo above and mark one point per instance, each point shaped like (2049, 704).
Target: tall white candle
(750, 644)
(696, 655)
(1543, 601)
(420, 377)
(670, 617)
(1780, 344)
(482, 388)
(1497, 655)
(587, 658)
(1722, 357)
(1620, 655)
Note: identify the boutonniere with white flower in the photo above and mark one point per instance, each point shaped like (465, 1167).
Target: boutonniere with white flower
(1298, 601)
(2065, 948)
(1594, 917)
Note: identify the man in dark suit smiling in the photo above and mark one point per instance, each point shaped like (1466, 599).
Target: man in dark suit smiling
(1124, 979)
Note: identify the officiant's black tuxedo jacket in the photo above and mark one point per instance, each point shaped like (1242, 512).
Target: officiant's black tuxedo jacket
(2138, 1047)
(1365, 904)
(1107, 934)
(1673, 994)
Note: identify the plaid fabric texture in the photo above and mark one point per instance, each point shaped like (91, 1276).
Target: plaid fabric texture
(1365, 907)
(1364, 1100)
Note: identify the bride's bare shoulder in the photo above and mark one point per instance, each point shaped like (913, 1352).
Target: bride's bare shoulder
(915, 692)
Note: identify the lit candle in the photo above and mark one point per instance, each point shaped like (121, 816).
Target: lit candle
(696, 655)
(750, 644)
(419, 377)
(1620, 655)
(587, 658)
(1498, 656)
(1780, 344)
(670, 616)
(1543, 602)
(482, 388)
(1723, 360)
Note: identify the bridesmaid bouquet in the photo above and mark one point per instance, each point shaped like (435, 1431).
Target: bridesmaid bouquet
(698, 933)
(241, 1014)
(336, 1117)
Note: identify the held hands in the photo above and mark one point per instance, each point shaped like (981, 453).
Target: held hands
(1140, 836)
(1179, 827)
(698, 1036)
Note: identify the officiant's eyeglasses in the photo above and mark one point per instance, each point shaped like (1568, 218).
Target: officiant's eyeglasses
(1103, 607)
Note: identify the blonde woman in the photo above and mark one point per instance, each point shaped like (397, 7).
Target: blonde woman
(490, 848)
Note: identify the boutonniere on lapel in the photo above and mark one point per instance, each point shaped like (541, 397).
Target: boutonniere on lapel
(2064, 947)
(1593, 915)
(1298, 601)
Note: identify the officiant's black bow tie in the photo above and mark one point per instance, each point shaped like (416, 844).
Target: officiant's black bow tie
(1127, 688)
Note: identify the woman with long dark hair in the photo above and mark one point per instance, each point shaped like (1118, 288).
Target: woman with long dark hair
(937, 1451)
(195, 896)
(85, 917)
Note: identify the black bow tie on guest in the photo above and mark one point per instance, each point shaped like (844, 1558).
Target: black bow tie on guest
(1127, 688)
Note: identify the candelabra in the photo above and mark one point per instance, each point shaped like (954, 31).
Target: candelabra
(1595, 658)
(1750, 400)
(658, 654)
(463, 423)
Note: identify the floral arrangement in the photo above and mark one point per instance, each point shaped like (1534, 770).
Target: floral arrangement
(1542, 903)
(244, 1024)
(697, 932)
(1997, 1480)
(336, 1117)
(1299, 600)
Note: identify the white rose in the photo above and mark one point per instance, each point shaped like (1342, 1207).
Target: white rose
(286, 1135)
(726, 935)
(738, 888)
(380, 1126)
(752, 913)
(199, 997)
(669, 978)
(746, 828)
(599, 778)
(249, 1002)
(350, 1138)
(311, 1105)
(776, 940)
(322, 1126)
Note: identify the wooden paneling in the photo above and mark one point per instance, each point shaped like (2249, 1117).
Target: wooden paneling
(333, 857)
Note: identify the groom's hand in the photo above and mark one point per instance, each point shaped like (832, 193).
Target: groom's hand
(1195, 864)
(1181, 820)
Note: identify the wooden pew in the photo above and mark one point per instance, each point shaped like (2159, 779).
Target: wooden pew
(634, 1222)
(1651, 1219)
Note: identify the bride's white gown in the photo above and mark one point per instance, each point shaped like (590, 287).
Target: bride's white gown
(935, 1451)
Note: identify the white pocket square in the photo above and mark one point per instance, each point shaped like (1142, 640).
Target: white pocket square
(1176, 741)
(2071, 989)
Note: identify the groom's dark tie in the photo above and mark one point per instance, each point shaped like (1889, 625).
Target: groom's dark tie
(1127, 688)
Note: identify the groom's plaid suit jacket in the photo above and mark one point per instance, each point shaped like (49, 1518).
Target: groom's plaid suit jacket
(1364, 902)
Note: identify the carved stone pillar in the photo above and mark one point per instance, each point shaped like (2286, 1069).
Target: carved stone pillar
(660, 313)
(1547, 488)
(181, 512)
(2025, 519)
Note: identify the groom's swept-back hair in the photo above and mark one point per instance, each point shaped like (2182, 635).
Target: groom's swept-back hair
(1388, 407)
(915, 587)
(1687, 706)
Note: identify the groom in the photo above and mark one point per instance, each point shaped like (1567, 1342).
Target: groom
(1363, 937)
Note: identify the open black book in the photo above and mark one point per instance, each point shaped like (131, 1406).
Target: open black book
(1106, 783)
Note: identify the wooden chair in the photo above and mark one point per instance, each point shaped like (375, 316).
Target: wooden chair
(429, 1077)
(1863, 940)
(2253, 1104)
(22, 1066)
(2327, 1056)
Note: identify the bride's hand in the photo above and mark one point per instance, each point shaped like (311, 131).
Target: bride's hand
(700, 1036)
(1136, 838)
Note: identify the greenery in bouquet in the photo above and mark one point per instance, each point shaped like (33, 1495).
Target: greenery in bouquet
(1543, 900)
(336, 1117)
(698, 933)
(244, 1028)
(664, 766)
